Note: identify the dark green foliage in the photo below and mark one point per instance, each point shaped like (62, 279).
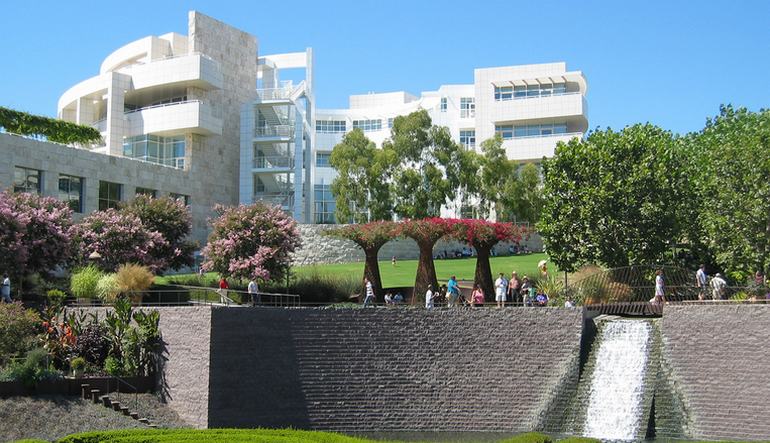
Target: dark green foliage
(92, 344)
(18, 330)
(52, 129)
(319, 288)
(33, 369)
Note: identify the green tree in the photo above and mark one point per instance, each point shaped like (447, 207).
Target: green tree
(732, 154)
(361, 189)
(613, 198)
(523, 195)
(495, 170)
(427, 173)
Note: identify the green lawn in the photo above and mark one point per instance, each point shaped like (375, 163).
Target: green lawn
(403, 273)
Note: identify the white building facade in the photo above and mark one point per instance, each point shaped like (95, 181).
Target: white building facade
(204, 117)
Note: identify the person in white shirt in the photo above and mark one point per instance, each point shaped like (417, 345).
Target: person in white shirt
(718, 286)
(429, 298)
(501, 286)
(660, 287)
(369, 299)
(254, 293)
(700, 281)
(6, 289)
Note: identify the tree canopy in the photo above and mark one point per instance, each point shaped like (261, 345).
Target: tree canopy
(52, 129)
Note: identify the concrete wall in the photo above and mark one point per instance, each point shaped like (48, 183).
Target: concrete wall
(718, 359)
(318, 248)
(389, 369)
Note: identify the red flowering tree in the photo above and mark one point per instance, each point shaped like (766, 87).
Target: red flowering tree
(370, 237)
(426, 233)
(251, 242)
(34, 233)
(483, 236)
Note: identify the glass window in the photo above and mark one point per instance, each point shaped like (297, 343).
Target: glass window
(390, 122)
(559, 88)
(368, 125)
(560, 128)
(533, 91)
(468, 138)
(467, 107)
(259, 185)
(168, 151)
(503, 93)
(520, 131)
(184, 198)
(146, 191)
(443, 104)
(109, 195)
(322, 159)
(542, 130)
(330, 126)
(71, 191)
(505, 131)
(519, 91)
(325, 204)
(27, 180)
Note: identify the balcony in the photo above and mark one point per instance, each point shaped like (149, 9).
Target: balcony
(274, 131)
(280, 94)
(543, 107)
(274, 162)
(189, 70)
(189, 116)
(535, 147)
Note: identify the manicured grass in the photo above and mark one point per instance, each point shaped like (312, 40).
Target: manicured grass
(403, 273)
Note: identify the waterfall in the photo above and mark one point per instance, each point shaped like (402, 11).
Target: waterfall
(615, 396)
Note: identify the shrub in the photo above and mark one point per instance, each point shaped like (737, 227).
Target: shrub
(78, 364)
(113, 366)
(84, 282)
(107, 288)
(134, 278)
(32, 370)
(18, 330)
(319, 288)
(91, 344)
(55, 297)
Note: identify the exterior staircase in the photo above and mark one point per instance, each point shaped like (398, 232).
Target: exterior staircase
(96, 396)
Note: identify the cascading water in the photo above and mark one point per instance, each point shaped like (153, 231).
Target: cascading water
(615, 397)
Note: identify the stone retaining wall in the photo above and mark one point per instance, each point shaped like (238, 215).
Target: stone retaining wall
(718, 357)
(389, 369)
(318, 248)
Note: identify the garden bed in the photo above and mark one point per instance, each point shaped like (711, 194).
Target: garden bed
(71, 386)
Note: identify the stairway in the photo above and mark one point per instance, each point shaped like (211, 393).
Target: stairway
(95, 395)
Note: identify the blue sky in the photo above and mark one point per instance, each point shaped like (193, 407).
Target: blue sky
(671, 63)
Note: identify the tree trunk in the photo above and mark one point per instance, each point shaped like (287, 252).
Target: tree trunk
(372, 272)
(426, 272)
(483, 275)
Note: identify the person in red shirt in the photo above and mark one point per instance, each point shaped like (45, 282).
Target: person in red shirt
(223, 287)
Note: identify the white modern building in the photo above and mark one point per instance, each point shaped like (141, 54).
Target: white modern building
(203, 117)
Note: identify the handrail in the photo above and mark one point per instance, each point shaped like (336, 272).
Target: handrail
(163, 105)
(564, 134)
(136, 391)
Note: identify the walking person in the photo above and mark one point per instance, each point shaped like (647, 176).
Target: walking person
(369, 299)
(660, 287)
(453, 291)
(223, 287)
(700, 281)
(5, 292)
(718, 286)
(429, 298)
(501, 287)
(253, 289)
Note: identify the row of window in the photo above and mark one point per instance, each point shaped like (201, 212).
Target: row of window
(467, 106)
(503, 93)
(468, 138)
(515, 131)
(325, 204)
(72, 188)
(368, 125)
(169, 151)
(330, 126)
(322, 159)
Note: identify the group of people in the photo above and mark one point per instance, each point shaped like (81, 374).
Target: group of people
(717, 285)
(518, 291)
(252, 288)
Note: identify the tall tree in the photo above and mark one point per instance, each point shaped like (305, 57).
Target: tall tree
(523, 195)
(613, 198)
(361, 188)
(427, 174)
(733, 156)
(370, 237)
(426, 233)
(483, 236)
(494, 172)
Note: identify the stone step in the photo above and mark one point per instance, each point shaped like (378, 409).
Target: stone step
(95, 395)
(115, 405)
(106, 401)
(144, 420)
(85, 391)
(135, 415)
(124, 410)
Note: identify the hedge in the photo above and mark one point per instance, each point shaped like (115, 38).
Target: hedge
(52, 129)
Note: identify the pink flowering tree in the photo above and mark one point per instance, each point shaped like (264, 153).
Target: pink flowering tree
(34, 233)
(119, 237)
(483, 236)
(171, 218)
(426, 233)
(370, 237)
(251, 242)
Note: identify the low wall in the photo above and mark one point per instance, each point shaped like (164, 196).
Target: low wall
(318, 248)
(389, 369)
(718, 356)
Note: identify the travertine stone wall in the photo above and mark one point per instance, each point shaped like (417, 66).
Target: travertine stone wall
(718, 358)
(318, 248)
(389, 369)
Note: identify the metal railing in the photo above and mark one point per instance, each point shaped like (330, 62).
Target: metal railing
(136, 392)
(184, 295)
(274, 131)
(282, 199)
(282, 93)
(274, 161)
(562, 134)
(163, 105)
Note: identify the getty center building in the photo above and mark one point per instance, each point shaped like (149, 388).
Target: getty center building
(206, 118)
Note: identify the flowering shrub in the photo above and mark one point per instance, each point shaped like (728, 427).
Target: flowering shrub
(370, 237)
(34, 233)
(18, 330)
(172, 219)
(251, 242)
(119, 237)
